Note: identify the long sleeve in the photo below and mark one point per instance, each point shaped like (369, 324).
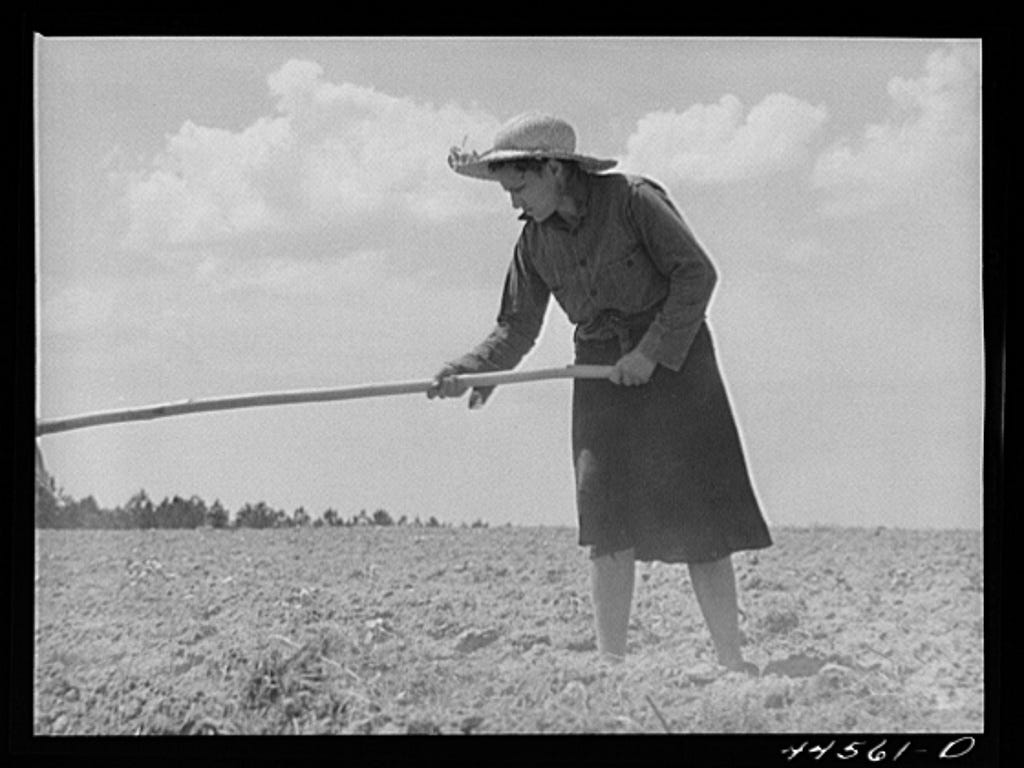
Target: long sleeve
(692, 278)
(524, 301)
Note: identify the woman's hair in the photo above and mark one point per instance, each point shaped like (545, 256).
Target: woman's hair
(532, 164)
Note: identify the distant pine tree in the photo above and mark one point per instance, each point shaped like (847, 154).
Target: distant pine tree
(217, 516)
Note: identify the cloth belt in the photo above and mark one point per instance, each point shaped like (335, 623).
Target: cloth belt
(611, 323)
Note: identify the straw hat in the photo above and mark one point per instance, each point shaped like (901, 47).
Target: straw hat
(528, 135)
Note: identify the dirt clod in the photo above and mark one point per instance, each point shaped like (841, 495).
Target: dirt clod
(474, 639)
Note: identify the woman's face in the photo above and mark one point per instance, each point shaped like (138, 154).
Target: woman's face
(535, 194)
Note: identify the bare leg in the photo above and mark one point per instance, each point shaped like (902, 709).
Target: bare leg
(611, 578)
(715, 586)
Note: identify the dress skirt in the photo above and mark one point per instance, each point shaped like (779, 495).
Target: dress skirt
(660, 467)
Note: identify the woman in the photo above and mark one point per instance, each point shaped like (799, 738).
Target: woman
(660, 471)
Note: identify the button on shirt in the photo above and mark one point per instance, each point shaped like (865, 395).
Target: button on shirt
(627, 252)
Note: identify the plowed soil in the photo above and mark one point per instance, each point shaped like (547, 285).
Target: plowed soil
(392, 630)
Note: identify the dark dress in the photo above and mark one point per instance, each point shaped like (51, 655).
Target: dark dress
(660, 467)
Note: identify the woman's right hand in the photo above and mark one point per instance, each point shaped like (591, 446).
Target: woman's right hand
(446, 384)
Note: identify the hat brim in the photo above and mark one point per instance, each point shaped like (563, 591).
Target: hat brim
(478, 166)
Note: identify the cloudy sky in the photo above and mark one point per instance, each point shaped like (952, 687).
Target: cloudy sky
(225, 216)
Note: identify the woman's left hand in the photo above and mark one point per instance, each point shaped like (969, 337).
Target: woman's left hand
(633, 369)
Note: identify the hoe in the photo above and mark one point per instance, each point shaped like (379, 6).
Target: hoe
(178, 408)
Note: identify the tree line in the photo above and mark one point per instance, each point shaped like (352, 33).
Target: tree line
(56, 509)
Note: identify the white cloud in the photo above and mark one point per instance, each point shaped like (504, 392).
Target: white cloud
(276, 276)
(805, 252)
(922, 146)
(80, 308)
(331, 154)
(718, 144)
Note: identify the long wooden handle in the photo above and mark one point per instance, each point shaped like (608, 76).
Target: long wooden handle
(143, 413)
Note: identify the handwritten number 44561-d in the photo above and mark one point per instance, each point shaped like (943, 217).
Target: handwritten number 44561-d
(876, 753)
